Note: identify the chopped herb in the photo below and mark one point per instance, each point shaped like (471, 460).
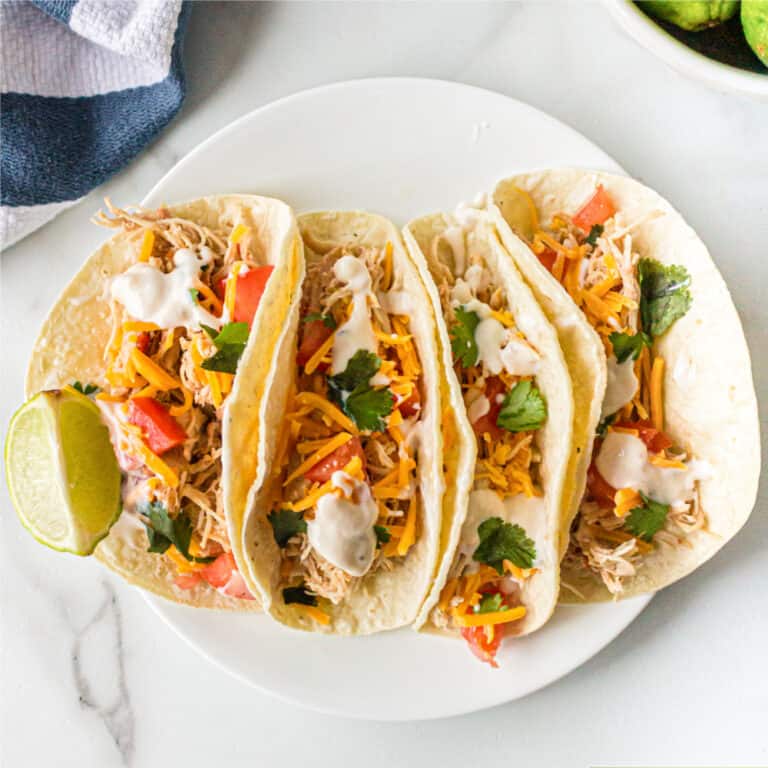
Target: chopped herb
(463, 341)
(164, 531)
(644, 522)
(298, 594)
(204, 267)
(286, 524)
(664, 295)
(594, 233)
(369, 407)
(361, 366)
(352, 391)
(230, 343)
(382, 535)
(195, 294)
(523, 409)
(84, 389)
(501, 541)
(602, 427)
(327, 320)
(489, 604)
(626, 345)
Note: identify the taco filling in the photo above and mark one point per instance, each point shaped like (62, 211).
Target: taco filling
(642, 486)
(179, 321)
(346, 501)
(496, 366)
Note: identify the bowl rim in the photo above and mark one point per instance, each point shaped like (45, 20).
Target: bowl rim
(679, 56)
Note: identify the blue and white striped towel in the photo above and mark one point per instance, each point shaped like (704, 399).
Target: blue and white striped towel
(86, 85)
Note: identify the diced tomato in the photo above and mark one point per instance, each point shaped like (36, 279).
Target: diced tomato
(248, 292)
(412, 404)
(187, 580)
(476, 637)
(161, 431)
(597, 210)
(313, 335)
(339, 459)
(655, 440)
(142, 341)
(599, 489)
(494, 387)
(222, 574)
(548, 258)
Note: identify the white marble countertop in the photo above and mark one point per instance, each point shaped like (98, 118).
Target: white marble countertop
(90, 677)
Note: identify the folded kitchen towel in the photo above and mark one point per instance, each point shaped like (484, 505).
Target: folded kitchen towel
(86, 85)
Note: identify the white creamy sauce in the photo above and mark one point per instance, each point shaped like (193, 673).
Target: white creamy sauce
(623, 462)
(518, 358)
(165, 299)
(357, 332)
(129, 529)
(477, 278)
(478, 408)
(621, 386)
(454, 236)
(490, 337)
(342, 531)
(528, 513)
(396, 303)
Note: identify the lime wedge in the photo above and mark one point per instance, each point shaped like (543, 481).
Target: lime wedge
(62, 472)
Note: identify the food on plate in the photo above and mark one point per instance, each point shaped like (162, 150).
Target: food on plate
(343, 525)
(692, 15)
(135, 369)
(674, 467)
(754, 20)
(498, 566)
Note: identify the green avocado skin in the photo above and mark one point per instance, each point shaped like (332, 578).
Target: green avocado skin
(754, 20)
(693, 15)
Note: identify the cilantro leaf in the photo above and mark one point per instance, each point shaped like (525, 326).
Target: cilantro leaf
(489, 604)
(594, 233)
(382, 534)
(602, 427)
(164, 530)
(644, 522)
(327, 320)
(298, 594)
(501, 541)
(664, 295)
(360, 368)
(463, 341)
(230, 344)
(626, 345)
(351, 390)
(286, 524)
(84, 389)
(369, 407)
(524, 408)
(195, 294)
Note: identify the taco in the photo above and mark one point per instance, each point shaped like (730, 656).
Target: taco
(343, 527)
(498, 572)
(152, 328)
(675, 464)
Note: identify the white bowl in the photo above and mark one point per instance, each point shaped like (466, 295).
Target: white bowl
(650, 35)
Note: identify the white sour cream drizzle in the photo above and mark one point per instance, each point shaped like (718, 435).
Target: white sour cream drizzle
(342, 531)
(623, 463)
(621, 386)
(526, 512)
(478, 408)
(165, 299)
(357, 332)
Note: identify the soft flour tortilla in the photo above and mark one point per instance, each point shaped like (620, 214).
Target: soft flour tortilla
(383, 599)
(709, 398)
(71, 346)
(554, 439)
(582, 348)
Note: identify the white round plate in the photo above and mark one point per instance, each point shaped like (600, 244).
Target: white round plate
(401, 147)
